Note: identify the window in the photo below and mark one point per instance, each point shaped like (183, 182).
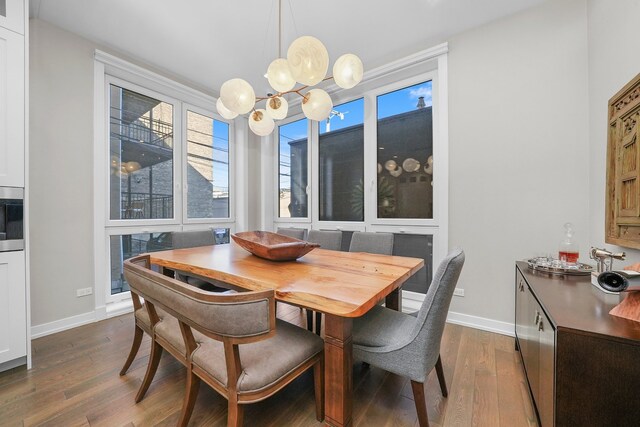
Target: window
(208, 167)
(293, 169)
(341, 163)
(405, 153)
(167, 165)
(141, 163)
(379, 163)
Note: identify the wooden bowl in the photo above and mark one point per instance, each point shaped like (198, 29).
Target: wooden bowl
(272, 246)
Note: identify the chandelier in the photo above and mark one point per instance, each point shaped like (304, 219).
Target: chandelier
(307, 63)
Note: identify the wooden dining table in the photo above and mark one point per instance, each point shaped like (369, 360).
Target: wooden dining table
(342, 285)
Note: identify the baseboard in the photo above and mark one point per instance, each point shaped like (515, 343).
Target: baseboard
(13, 363)
(409, 305)
(119, 308)
(62, 324)
(481, 323)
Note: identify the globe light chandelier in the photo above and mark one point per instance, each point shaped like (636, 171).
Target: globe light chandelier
(307, 63)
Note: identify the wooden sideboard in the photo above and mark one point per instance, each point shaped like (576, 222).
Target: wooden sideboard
(582, 364)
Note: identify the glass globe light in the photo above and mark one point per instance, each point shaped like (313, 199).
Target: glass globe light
(279, 75)
(308, 60)
(260, 123)
(348, 71)
(390, 165)
(132, 166)
(317, 105)
(277, 107)
(224, 111)
(411, 165)
(238, 96)
(396, 173)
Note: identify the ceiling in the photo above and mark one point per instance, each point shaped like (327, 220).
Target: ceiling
(208, 41)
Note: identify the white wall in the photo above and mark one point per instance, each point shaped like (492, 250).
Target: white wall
(614, 36)
(61, 183)
(518, 111)
(61, 173)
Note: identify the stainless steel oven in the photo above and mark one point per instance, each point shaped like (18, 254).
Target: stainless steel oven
(11, 219)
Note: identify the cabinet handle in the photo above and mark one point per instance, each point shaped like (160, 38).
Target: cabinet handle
(540, 325)
(521, 286)
(537, 319)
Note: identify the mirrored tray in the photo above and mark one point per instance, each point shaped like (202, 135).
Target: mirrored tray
(555, 266)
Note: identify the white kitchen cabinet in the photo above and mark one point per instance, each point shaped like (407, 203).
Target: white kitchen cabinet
(12, 15)
(12, 111)
(13, 311)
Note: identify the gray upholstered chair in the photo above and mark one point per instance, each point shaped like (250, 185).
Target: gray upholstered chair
(327, 239)
(410, 345)
(374, 243)
(193, 239)
(234, 343)
(296, 233)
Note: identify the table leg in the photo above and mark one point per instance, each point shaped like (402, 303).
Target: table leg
(338, 362)
(394, 300)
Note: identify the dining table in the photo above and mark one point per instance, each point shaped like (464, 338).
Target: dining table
(341, 285)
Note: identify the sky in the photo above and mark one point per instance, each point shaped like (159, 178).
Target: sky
(389, 104)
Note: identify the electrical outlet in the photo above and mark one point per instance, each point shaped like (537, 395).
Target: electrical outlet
(459, 292)
(84, 292)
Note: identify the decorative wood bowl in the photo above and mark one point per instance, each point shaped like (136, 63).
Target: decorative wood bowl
(272, 246)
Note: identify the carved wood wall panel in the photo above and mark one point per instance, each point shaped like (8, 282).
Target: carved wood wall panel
(622, 220)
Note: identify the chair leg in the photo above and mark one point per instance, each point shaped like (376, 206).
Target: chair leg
(152, 367)
(441, 380)
(309, 320)
(193, 386)
(318, 388)
(235, 413)
(318, 322)
(421, 405)
(135, 346)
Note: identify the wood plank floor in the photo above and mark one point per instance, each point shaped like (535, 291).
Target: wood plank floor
(75, 382)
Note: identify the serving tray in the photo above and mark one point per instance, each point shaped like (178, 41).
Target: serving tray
(555, 266)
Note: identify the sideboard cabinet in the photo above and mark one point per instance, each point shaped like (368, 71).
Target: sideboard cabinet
(582, 365)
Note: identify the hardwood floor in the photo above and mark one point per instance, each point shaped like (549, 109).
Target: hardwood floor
(75, 382)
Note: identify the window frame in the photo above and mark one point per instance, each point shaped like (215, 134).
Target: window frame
(277, 219)
(315, 183)
(177, 155)
(372, 152)
(232, 158)
(109, 69)
(430, 64)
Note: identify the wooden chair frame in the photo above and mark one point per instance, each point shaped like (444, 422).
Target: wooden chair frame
(231, 344)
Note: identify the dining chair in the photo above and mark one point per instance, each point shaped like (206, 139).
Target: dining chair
(327, 239)
(361, 241)
(296, 233)
(193, 239)
(373, 243)
(410, 345)
(233, 343)
(142, 323)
